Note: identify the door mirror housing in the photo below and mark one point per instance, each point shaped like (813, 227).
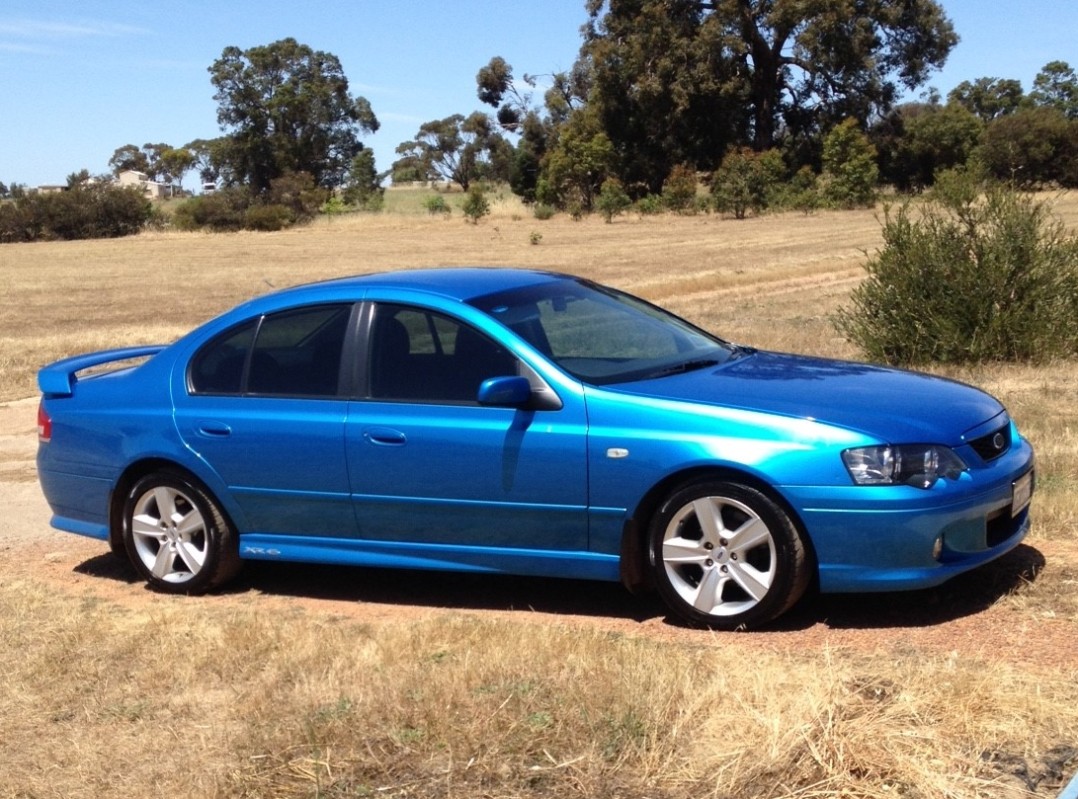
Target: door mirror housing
(512, 392)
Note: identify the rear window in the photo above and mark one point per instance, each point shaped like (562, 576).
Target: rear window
(293, 353)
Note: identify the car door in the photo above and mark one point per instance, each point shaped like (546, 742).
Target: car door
(429, 465)
(264, 408)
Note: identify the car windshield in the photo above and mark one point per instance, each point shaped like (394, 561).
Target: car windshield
(603, 336)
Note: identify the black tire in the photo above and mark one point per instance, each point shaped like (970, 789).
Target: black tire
(176, 536)
(726, 556)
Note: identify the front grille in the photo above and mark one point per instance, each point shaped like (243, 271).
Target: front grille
(994, 444)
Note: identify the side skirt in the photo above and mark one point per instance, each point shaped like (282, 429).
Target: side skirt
(439, 557)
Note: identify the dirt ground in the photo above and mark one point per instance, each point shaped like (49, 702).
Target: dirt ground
(975, 615)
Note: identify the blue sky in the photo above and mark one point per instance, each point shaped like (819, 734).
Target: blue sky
(80, 78)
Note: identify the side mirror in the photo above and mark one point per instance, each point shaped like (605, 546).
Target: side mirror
(512, 392)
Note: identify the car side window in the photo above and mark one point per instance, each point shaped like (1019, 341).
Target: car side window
(422, 356)
(218, 368)
(293, 353)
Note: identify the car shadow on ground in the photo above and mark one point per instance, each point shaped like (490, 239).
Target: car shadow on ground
(965, 595)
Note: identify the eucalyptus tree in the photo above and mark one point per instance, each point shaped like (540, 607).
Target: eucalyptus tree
(286, 108)
(1056, 86)
(458, 149)
(988, 98)
(678, 81)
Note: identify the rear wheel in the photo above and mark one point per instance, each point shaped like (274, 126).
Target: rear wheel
(176, 536)
(726, 556)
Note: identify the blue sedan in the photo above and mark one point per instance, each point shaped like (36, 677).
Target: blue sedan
(523, 422)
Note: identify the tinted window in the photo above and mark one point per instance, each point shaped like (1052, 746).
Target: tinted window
(218, 366)
(423, 356)
(298, 353)
(295, 353)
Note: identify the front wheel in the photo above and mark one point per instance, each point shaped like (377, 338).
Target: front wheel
(176, 536)
(726, 556)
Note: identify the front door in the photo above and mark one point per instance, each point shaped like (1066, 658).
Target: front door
(430, 466)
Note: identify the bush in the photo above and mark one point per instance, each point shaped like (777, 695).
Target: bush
(372, 203)
(267, 218)
(475, 205)
(649, 204)
(88, 211)
(334, 206)
(436, 204)
(968, 279)
(542, 211)
(803, 194)
(679, 190)
(297, 192)
(613, 199)
(17, 224)
(747, 181)
(849, 167)
(224, 210)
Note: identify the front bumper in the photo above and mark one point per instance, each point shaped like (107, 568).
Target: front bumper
(891, 538)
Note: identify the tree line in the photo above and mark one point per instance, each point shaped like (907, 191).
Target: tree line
(768, 103)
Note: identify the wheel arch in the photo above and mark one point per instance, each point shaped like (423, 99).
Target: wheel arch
(131, 475)
(635, 567)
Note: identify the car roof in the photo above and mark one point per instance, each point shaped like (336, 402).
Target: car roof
(457, 283)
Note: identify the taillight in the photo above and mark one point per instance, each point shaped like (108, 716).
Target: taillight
(44, 425)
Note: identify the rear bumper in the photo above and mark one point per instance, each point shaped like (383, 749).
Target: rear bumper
(79, 503)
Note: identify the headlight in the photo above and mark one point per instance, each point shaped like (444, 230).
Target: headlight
(919, 465)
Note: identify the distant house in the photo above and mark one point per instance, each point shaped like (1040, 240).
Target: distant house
(51, 189)
(153, 190)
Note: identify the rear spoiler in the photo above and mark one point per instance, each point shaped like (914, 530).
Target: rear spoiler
(58, 379)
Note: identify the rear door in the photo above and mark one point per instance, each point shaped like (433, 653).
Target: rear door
(264, 408)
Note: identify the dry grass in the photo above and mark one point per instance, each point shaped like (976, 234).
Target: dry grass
(190, 699)
(243, 696)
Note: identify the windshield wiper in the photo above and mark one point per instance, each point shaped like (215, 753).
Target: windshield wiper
(684, 366)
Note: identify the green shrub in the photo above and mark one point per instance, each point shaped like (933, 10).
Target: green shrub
(747, 181)
(17, 224)
(297, 192)
(649, 205)
(267, 218)
(613, 199)
(224, 210)
(86, 211)
(679, 190)
(802, 193)
(436, 204)
(968, 278)
(475, 205)
(542, 211)
(334, 206)
(849, 167)
(373, 202)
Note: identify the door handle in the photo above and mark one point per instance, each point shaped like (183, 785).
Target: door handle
(385, 436)
(214, 429)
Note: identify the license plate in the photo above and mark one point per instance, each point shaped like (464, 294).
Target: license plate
(1021, 493)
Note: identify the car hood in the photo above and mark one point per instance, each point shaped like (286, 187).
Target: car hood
(890, 404)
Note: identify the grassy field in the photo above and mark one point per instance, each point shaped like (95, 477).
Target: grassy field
(119, 693)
